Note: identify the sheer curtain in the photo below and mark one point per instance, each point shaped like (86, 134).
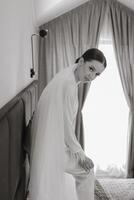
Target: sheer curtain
(107, 117)
(122, 29)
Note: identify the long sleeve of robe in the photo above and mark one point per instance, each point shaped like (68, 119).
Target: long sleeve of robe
(70, 112)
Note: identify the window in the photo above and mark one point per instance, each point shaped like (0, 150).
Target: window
(105, 116)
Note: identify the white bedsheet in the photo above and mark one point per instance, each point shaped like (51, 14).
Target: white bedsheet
(118, 189)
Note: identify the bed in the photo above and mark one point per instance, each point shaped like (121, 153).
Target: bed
(118, 189)
(114, 189)
(15, 117)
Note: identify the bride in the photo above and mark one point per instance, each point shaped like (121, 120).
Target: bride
(55, 148)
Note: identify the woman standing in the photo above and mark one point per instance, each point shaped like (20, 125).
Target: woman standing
(55, 148)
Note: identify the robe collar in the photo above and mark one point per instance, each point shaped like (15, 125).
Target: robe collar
(73, 69)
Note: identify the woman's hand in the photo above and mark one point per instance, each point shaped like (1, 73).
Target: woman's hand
(84, 161)
(87, 164)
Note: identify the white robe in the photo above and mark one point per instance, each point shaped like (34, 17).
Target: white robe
(53, 132)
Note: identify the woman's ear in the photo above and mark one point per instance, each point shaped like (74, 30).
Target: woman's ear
(81, 61)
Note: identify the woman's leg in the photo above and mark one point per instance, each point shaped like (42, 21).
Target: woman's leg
(84, 180)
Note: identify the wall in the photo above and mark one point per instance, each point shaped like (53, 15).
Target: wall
(46, 10)
(16, 26)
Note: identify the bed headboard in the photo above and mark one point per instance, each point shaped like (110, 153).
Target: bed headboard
(14, 117)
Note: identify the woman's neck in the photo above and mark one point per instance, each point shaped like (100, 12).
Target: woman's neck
(76, 74)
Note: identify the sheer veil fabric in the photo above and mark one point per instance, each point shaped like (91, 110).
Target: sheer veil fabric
(47, 173)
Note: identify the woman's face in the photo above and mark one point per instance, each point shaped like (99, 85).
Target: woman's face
(89, 70)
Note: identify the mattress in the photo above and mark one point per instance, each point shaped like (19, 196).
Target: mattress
(114, 189)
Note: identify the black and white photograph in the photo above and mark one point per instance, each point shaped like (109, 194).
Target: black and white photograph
(67, 100)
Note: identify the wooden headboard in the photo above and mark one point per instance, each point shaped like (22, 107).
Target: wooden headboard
(14, 118)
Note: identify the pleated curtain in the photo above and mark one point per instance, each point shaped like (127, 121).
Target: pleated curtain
(122, 25)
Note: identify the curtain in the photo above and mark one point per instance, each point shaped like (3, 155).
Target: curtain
(42, 69)
(122, 24)
(69, 36)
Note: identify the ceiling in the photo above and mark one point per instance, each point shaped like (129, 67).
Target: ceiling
(46, 10)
